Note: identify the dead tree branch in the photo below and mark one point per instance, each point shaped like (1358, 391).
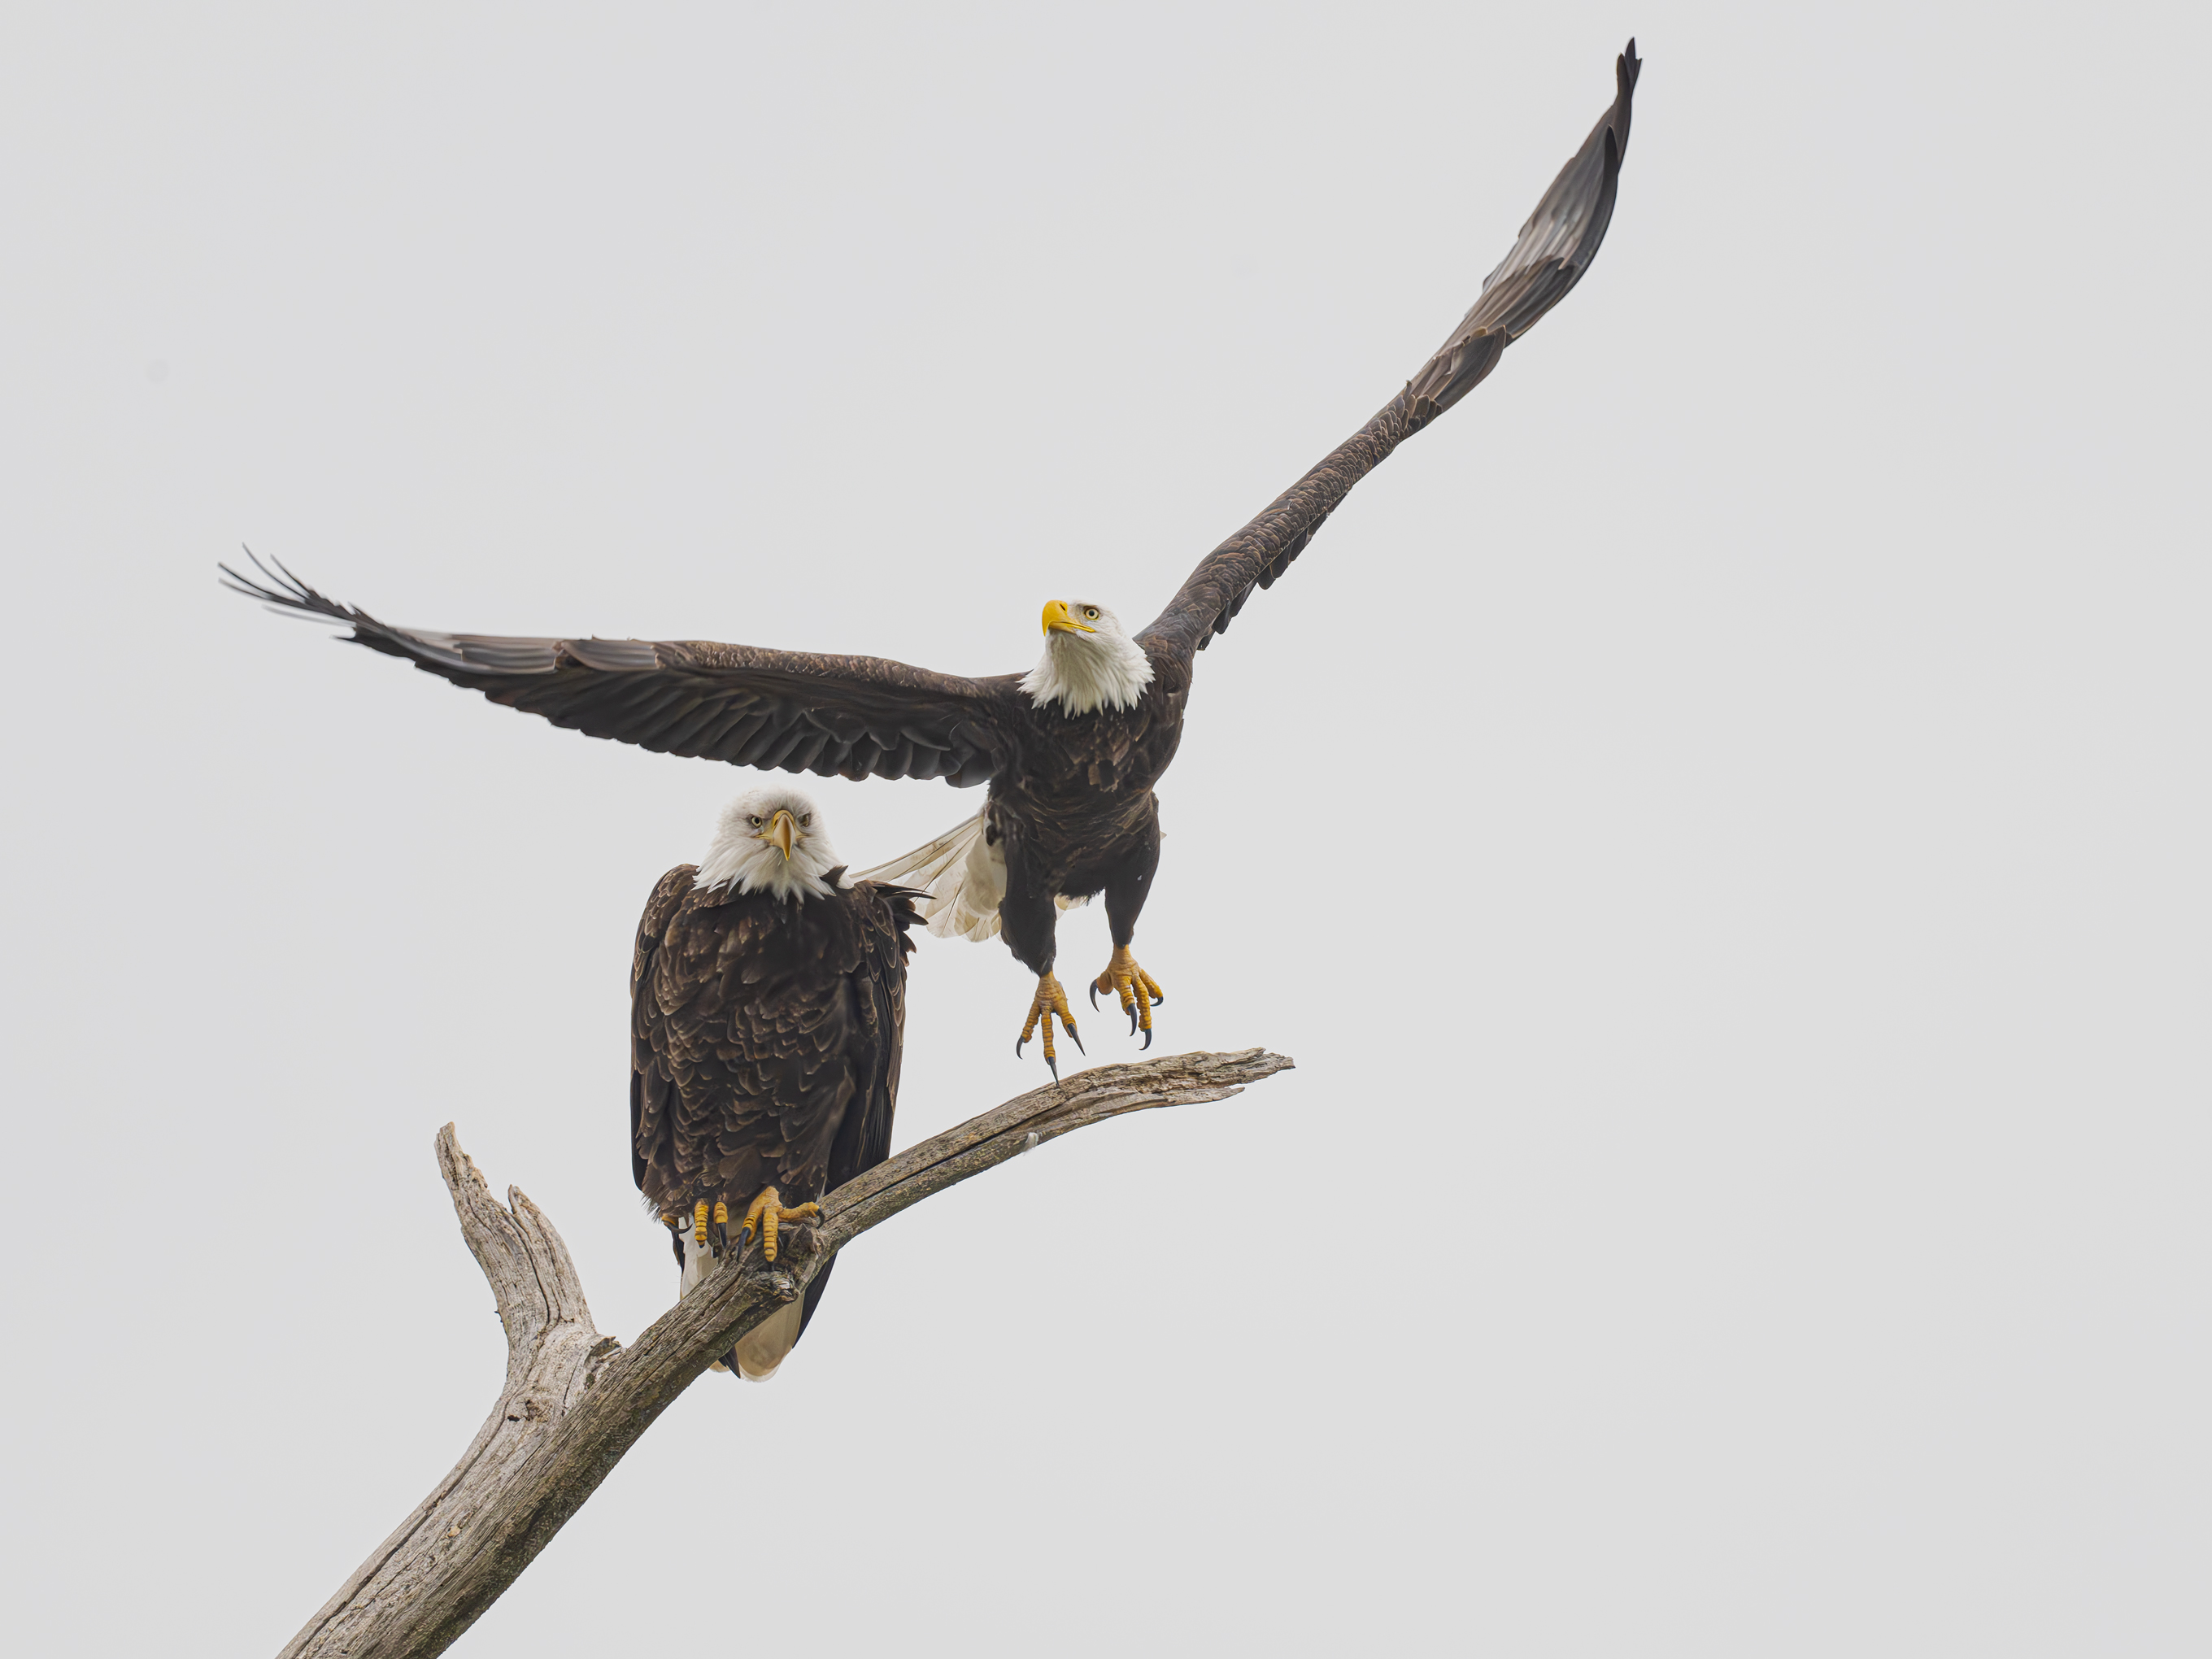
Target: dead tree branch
(574, 1402)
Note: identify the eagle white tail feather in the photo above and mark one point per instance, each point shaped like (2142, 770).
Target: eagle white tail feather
(761, 1350)
(963, 875)
(698, 1262)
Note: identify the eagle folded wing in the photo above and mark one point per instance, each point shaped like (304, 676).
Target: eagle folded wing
(886, 944)
(853, 717)
(652, 1086)
(1555, 248)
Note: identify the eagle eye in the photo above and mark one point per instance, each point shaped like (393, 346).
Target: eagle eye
(1091, 612)
(806, 820)
(754, 820)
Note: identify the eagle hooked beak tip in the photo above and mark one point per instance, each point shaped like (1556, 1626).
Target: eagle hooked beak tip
(783, 829)
(1059, 619)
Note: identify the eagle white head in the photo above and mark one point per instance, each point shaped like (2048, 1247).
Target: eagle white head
(770, 841)
(1089, 663)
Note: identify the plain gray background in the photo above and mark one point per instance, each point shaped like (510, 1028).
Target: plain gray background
(1719, 820)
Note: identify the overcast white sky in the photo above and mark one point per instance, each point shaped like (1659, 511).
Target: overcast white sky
(1720, 820)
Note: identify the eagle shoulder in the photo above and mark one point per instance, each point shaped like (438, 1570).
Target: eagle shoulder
(668, 893)
(651, 1083)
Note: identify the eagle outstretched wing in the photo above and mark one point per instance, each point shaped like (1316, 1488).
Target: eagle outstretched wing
(853, 717)
(1555, 248)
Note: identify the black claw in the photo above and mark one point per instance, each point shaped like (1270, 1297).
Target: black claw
(1148, 1038)
(1159, 997)
(1094, 994)
(1079, 1048)
(1055, 1067)
(1133, 1019)
(1018, 1047)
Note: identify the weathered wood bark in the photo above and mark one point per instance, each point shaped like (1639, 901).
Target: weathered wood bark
(574, 1402)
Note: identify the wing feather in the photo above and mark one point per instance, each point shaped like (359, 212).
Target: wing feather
(737, 703)
(1555, 247)
(650, 1081)
(864, 1141)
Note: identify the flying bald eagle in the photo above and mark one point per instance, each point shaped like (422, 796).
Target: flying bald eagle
(1071, 750)
(768, 999)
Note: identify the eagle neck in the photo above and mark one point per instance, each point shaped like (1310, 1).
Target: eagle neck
(1085, 672)
(734, 867)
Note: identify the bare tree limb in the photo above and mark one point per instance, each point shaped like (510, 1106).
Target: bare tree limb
(574, 1402)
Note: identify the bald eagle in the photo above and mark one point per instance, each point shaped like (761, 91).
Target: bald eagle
(768, 999)
(1071, 750)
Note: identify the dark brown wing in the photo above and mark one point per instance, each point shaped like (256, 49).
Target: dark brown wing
(864, 1139)
(1555, 248)
(887, 922)
(853, 717)
(651, 1087)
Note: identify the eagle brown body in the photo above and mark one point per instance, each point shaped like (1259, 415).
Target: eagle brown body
(765, 1035)
(1075, 811)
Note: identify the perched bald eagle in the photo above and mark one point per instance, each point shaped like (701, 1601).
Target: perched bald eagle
(768, 999)
(1071, 750)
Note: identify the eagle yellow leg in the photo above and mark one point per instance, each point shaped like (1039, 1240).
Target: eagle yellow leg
(699, 1222)
(767, 1212)
(1138, 990)
(1049, 1002)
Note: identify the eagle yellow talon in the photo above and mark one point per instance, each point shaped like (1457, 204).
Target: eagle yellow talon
(767, 1212)
(699, 1222)
(1139, 991)
(1050, 1001)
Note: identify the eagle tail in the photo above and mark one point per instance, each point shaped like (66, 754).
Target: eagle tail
(964, 876)
(757, 1354)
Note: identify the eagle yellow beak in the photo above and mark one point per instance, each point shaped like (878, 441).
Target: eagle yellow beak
(783, 829)
(1059, 619)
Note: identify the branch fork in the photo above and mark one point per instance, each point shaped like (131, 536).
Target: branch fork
(574, 1402)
